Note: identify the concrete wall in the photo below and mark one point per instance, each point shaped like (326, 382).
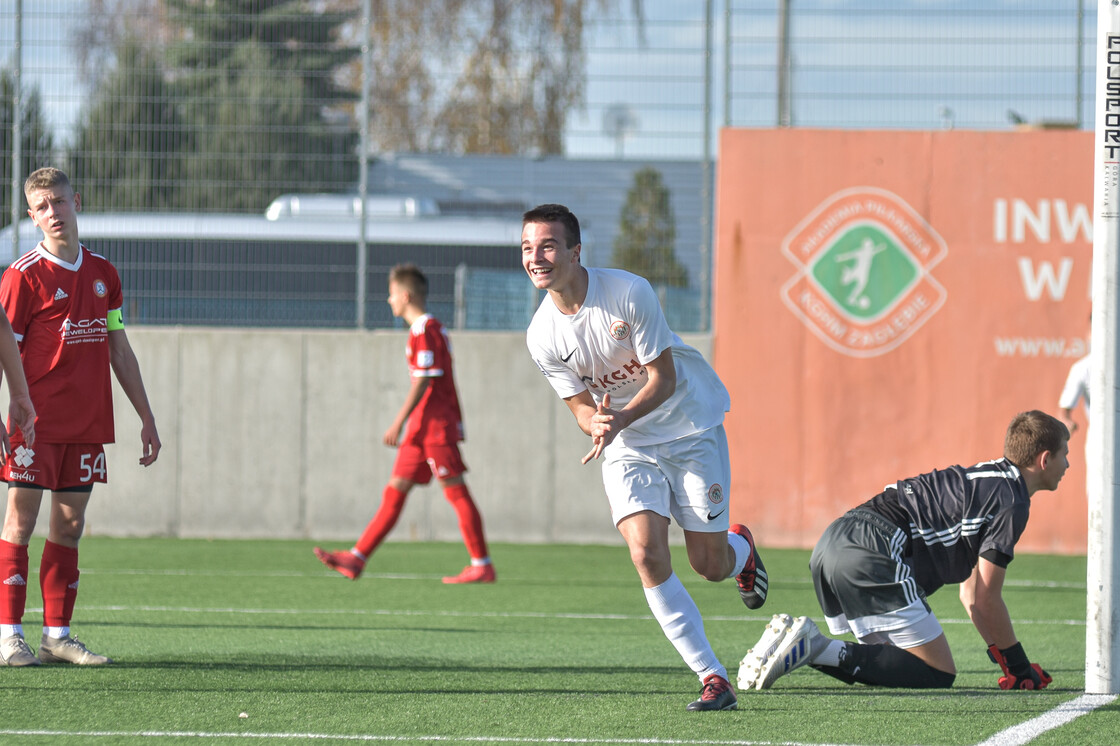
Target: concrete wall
(277, 433)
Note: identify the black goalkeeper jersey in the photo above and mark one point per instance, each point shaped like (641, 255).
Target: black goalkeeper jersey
(955, 515)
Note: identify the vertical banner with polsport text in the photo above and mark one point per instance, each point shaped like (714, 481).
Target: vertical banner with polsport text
(1102, 629)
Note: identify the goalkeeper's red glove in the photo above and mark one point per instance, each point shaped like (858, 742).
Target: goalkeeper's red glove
(1018, 672)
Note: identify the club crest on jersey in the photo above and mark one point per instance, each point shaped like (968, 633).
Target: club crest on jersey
(620, 330)
(100, 289)
(863, 282)
(715, 494)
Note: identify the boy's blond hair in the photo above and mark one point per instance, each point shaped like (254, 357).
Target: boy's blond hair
(45, 178)
(411, 279)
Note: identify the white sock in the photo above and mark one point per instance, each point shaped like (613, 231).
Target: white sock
(680, 620)
(829, 655)
(56, 633)
(480, 562)
(7, 630)
(359, 555)
(742, 549)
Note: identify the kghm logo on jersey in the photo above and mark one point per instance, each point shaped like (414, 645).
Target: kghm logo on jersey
(715, 494)
(620, 330)
(100, 289)
(863, 283)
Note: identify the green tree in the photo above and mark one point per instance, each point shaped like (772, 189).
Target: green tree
(258, 83)
(120, 159)
(451, 76)
(36, 142)
(647, 232)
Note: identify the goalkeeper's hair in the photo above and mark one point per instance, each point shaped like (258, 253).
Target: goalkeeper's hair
(555, 214)
(1030, 433)
(411, 279)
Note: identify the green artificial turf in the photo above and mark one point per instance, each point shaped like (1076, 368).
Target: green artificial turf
(562, 649)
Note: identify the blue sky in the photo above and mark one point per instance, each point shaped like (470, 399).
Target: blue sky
(857, 63)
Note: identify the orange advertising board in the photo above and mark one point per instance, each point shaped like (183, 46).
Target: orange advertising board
(885, 302)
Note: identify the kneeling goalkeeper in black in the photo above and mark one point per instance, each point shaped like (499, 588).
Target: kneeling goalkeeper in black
(874, 567)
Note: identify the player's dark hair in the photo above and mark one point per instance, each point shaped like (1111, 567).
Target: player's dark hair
(555, 214)
(1031, 433)
(45, 178)
(411, 278)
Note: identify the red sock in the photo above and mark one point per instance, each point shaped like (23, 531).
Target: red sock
(470, 522)
(13, 582)
(58, 578)
(392, 503)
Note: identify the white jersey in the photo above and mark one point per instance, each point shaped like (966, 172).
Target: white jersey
(603, 348)
(1077, 386)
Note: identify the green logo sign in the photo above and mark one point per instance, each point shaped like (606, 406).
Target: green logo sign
(863, 283)
(845, 269)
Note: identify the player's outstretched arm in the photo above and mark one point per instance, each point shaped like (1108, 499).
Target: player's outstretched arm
(127, 370)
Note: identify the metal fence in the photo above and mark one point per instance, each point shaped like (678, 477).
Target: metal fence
(209, 108)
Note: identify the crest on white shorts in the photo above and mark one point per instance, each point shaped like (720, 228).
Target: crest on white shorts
(715, 494)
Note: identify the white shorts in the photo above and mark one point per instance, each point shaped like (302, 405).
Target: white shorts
(907, 627)
(687, 480)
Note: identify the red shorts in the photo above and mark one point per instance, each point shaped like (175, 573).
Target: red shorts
(418, 463)
(54, 466)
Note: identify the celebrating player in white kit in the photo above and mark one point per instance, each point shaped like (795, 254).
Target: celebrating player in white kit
(654, 409)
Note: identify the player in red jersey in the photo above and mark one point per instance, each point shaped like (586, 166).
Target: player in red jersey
(64, 304)
(429, 444)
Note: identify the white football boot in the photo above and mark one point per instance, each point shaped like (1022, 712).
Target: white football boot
(751, 665)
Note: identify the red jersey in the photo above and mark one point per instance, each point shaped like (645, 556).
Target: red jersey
(436, 420)
(60, 315)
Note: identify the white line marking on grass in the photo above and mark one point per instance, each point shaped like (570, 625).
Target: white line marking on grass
(1024, 733)
(389, 739)
(1020, 622)
(594, 616)
(1045, 584)
(369, 612)
(324, 573)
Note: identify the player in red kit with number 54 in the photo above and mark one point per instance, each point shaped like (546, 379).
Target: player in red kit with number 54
(64, 304)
